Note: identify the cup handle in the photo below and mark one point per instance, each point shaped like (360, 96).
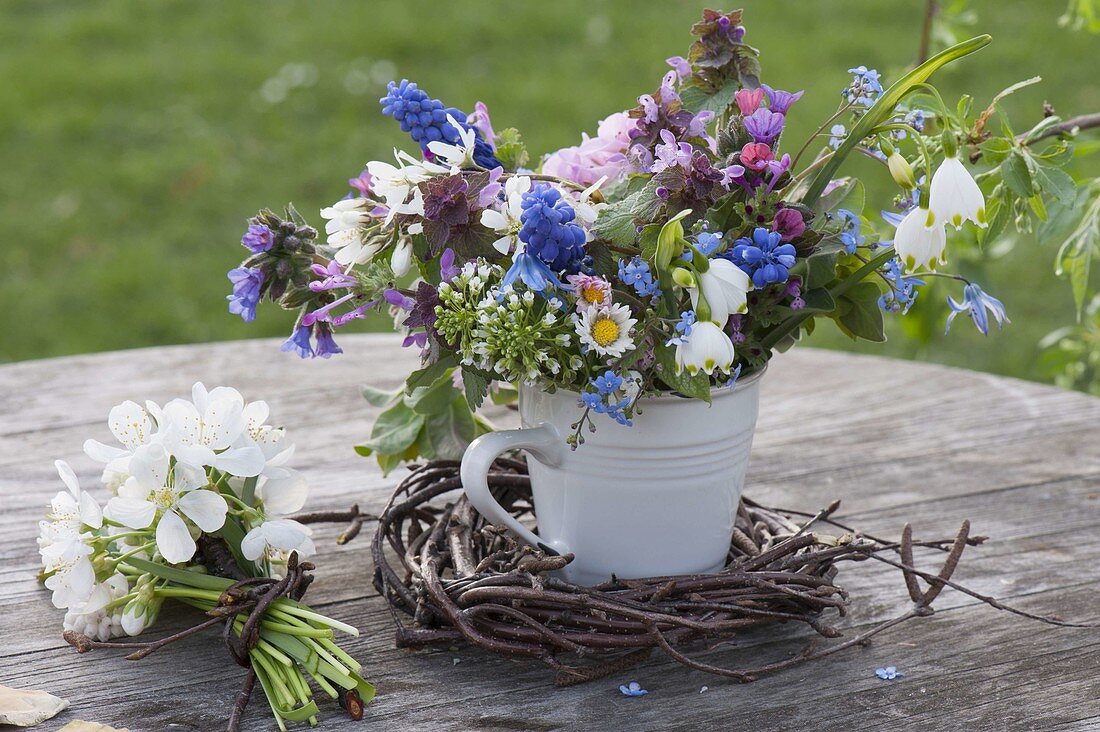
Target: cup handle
(543, 441)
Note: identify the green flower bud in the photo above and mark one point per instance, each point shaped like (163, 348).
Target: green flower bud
(901, 171)
(683, 277)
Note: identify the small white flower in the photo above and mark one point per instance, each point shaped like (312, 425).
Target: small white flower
(954, 195)
(916, 244)
(457, 156)
(706, 349)
(401, 259)
(281, 535)
(506, 221)
(153, 488)
(606, 330)
(92, 618)
(61, 538)
(133, 427)
(71, 575)
(395, 183)
(586, 210)
(207, 431)
(725, 288)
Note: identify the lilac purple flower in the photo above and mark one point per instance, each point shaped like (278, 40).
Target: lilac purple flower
(764, 125)
(764, 257)
(781, 101)
(325, 345)
(479, 119)
(671, 154)
(447, 269)
(596, 157)
(680, 65)
(258, 238)
(246, 292)
(399, 300)
(837, 133)
(361, 183)
(298, 342)
(332, 277)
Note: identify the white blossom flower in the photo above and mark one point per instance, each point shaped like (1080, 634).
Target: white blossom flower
(954, 195)
(207, 432)
(606, 330)
(707, 348)
(280, 535)
(506, 221)
(725, 287)
(63, 541)
(344, 226)
(916, 243)
(133, 426)
(457, 156)
(155, 488)
(585, 208)
(395, 183)
(401, 259)
(92, 617)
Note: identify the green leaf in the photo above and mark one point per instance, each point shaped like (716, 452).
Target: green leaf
(475, 385)
(450, 432)
(859, 313)
(435, 398)
(389, 462)
(363, 451)
(883, 110)
(233, 534)
(697, 386)
(818, 301)
(996, 149)
(1056, 182)
(511, 151)
(180, 576)
(1075, 256)
(430, 373)
(395, 430)
(696, 99)
(648, 241)
(378, 397)
(1017, 177)
(821, 267)
(618, 223)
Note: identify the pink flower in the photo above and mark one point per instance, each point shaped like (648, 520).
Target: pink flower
(590, 291)
(480, 120)
(596, 157)
(748, 101)
(789, 224)
(756, 155)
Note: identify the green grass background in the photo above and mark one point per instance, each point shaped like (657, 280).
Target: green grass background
(135, 138)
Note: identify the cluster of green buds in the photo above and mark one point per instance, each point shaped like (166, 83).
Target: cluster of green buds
(289, 253)
(144, 606)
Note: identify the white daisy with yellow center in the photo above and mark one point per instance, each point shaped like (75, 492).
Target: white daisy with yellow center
(606, 330)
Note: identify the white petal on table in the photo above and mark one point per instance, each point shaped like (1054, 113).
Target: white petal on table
(26, 707)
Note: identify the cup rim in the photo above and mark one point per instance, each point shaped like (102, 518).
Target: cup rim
(716, 392)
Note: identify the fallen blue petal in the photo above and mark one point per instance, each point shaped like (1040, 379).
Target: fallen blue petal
(633, 689)
(888, 673)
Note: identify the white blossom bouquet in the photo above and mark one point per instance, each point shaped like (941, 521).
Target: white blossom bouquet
(200, 494)
(680, 247)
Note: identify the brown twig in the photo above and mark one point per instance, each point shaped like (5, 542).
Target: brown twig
(931, 9)
(457, 577)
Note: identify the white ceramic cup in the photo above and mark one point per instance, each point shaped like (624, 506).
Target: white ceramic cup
(658, 498)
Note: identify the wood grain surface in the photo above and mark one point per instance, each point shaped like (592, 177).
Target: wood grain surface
(896, 441)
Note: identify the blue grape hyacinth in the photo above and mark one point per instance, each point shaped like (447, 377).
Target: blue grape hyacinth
(548, 229)
(425, 119)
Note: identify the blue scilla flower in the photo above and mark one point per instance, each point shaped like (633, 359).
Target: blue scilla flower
(763, 257)
(889, 673)
(548, 230)
(632, 689)
(976, 304)
(425, 119)
(683, 328)
(636, 274)
(246, 292)
(849, 234)
(903, 290)
(531, 271)
(607, 383)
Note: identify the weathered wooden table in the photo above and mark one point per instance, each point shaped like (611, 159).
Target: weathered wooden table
(896, 441)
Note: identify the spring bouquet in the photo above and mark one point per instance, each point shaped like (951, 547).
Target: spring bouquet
(673, 252)
(200, 492)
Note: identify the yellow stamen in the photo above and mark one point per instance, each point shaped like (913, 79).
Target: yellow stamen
(605, 331)
(592, 294)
